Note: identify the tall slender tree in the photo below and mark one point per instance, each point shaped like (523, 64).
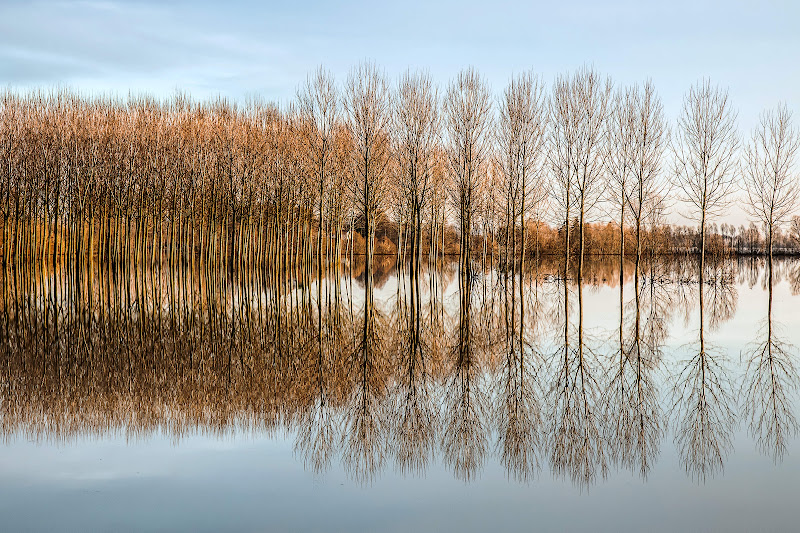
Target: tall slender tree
(417, 127)
(367, 102)
(521, 135)
(705, 147)
(648, 188)
(770, 182)
(577, 136)
(468, 109)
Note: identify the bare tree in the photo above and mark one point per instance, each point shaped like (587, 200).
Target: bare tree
(524, 111)
(367, 102)
(319, 112)
(577, 137)
(636, 142)
(416, 121)
(417, 126)
(705, 149)
(520, 137)
(619, 159)
(318, 116)
(468, 110)
(771, 186)
(648, 189)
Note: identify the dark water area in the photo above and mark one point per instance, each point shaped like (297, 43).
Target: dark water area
(192, 399)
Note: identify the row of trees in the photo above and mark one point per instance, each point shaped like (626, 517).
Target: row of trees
(145, 181)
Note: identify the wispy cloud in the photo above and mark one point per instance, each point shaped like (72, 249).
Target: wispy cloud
(237, 47)
(111, 45)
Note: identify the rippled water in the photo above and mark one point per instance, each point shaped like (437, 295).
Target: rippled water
(187, 399)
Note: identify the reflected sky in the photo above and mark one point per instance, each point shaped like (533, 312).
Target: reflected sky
(261, 485)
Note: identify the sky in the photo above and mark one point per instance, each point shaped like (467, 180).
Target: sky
(236, 49)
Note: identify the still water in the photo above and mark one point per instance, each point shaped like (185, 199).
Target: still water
(185, 399)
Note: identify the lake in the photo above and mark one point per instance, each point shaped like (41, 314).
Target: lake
(187, 398)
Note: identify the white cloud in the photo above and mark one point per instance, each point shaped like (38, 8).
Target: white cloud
(112, 46)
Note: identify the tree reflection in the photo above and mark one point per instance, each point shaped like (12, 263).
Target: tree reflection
(721, 296)
(576, 445)
(465, 404)
(317, 422)
(517, 407)
(770, 385)
(364, 381)
(413, 413)
(365, 425)
(702, 399)
(633, 415)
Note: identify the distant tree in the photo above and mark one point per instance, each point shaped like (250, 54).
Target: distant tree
(794, 231)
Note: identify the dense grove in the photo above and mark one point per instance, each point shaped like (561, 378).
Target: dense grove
(361, 170)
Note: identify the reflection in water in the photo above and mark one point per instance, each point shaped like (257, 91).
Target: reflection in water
(363, 448)
(721, 296)
(464, 436)
(315, 422)
(412, 410)
(703, 399)
(770, 384)
(499, 363)
(576, 445)
(518, 411)
(633, 415)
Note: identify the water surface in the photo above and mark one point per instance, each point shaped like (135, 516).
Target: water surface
(174, 398)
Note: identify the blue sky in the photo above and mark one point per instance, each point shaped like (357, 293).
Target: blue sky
(240, 48)
(236, 49)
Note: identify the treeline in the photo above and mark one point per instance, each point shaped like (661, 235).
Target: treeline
(402, 168)
(604, 238)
